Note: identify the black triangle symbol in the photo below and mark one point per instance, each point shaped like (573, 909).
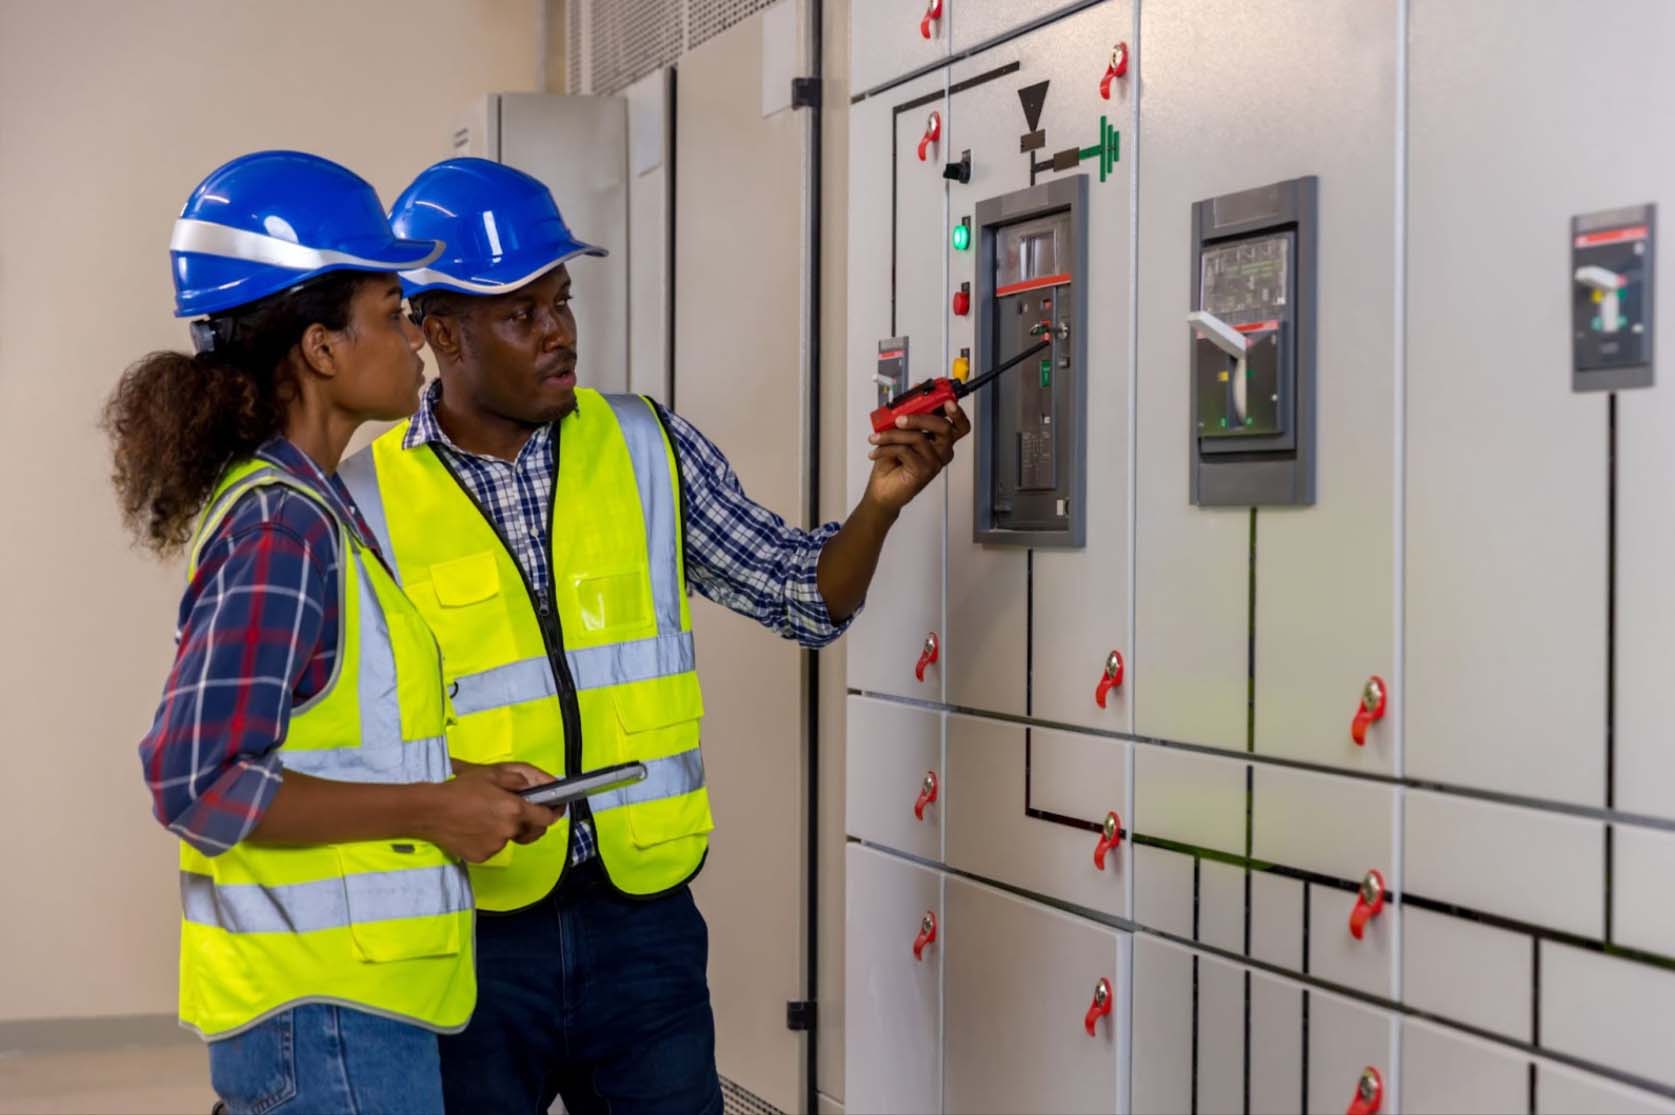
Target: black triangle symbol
(1033, 97)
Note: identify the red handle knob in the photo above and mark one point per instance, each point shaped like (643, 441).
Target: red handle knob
(933, 132)
(927, 934)
(1100, 1007)
(1117, 67)
(1110, 679)
(927, 794)
(1109, 838)
(962, 303)
(933, 11)
(931, 652)
(1369, 903)
(1374, 699)
(1369, 1093)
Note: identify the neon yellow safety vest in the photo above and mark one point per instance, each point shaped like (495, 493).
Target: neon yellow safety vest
(381, 926)
(602, 672)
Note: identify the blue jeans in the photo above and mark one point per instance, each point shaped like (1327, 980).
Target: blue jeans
(592, 996)
(325, 1059)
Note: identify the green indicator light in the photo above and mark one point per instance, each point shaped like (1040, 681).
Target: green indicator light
(1224, 423)
(1046, 373)
(961, 237)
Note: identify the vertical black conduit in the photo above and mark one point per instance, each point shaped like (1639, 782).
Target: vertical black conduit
(811, 659)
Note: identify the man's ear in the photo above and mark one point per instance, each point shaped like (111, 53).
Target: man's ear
(442, 333)
(321, 350)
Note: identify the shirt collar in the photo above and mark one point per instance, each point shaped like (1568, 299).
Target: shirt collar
(426, 429)
(285, 456)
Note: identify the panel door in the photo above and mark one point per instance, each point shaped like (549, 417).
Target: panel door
(1240, 95)
(886, 41)
(1507, 501)
(1073, 603)
(892, 998)
(896, 206)
(1018, 981)
(894, 750)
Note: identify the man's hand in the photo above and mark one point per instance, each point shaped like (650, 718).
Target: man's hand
(512, 777)
(909, 457)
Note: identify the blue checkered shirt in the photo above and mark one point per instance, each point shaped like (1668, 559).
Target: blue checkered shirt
(738, 553)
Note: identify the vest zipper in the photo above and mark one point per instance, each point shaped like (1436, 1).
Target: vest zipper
(546, 618)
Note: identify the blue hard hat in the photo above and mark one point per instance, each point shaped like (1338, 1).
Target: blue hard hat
(267, 221)
(502, 228)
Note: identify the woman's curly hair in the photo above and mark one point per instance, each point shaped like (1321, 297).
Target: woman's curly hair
(176, 422)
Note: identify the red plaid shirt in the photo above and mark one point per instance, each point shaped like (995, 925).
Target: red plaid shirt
(258, 635)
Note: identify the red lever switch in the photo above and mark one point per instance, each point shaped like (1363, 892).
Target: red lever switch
(1118, 67)
(933, 132)
(1374, 697)
(933, 12)
(1100, 1007)
(927, 934)
(962, 300)
(1369, 1093)
(929, 654)
(1369, 903)
(927, 794)
(1109, 837)
(1110, 679)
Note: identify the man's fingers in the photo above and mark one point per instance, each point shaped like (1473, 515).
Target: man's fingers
(925, 423)
(958, 417)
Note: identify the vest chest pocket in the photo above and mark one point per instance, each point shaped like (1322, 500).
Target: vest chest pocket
(401, 904)
(467, 580)
(614, 601)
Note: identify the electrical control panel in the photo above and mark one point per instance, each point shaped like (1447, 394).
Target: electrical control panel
(1030, 424)
(1252, 326)
(1611, 298)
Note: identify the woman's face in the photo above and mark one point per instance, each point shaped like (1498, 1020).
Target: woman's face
(382, 373)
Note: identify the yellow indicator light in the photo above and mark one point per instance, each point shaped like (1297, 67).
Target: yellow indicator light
(961, 369)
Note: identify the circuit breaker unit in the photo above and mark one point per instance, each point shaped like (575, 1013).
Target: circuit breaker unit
(1611, 298)
(1031, 425)
(1252, 332)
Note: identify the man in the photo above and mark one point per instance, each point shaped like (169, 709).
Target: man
(549, 534)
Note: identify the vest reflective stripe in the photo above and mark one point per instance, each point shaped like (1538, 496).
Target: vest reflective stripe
(665, 778)
(324, 903)
(423, 760)
(593, 668)
(360, 476)
(380, 710)
(648, 449)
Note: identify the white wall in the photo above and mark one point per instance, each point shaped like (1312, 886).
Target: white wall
(109, 115)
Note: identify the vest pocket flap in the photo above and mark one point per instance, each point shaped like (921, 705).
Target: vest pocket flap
(662, 703)
(402, 899)
(658, 822)
(465, 580)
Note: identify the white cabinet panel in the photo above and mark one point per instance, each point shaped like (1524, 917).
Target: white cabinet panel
(1276, 1046)
(1335, 826)
(892, 748)
(1163, 1036)
(1609, 1011)
(1344, 1039)
(1276, 919)
(990, 834)
(1479, 855)
(892, 1000)
(1644, 915)
(1565, 1091)
(1448, 1073)
(1221, 905)
(1190, 798)
(1336, 956)
(1163, 890)
(886, 41)
(1019, 980)
(1468, 972)
(1221, 1037)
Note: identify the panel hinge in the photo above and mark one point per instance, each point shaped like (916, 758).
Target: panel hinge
(805, 92)
(800, 1014)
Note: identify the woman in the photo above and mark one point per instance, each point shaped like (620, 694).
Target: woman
(298, 750)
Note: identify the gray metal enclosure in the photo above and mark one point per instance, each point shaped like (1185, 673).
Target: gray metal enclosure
(1390, 770)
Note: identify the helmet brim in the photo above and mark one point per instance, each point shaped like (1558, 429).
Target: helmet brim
(501, 276)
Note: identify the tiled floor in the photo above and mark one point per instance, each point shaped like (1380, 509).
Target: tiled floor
(137, 1080)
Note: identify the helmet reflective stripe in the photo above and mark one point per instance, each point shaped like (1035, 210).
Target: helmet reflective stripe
(431, 279)
(207, 238)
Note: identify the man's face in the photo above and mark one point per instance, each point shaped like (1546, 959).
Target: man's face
(518, 352)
